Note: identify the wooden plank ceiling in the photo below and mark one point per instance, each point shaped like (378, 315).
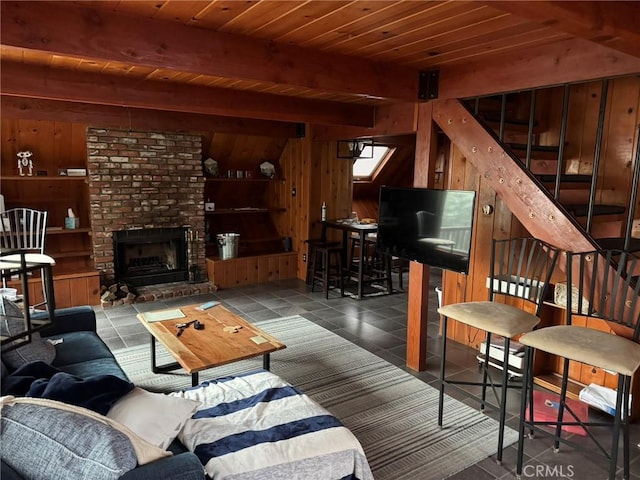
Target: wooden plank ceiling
(320, 62)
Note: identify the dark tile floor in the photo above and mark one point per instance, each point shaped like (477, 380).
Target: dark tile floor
(379, 325)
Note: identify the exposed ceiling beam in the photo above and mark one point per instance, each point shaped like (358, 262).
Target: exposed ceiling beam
(612, 24)
(395, 119)
(138, 119)
(69, 85)
(563, 62)
(65, 29)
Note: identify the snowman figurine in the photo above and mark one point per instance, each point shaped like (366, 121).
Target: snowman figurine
(24, 161)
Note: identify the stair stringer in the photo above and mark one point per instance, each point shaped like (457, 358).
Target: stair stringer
(532, 205)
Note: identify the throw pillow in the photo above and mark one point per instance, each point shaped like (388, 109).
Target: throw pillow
(156, 417)
(46, 439)
(37, 349)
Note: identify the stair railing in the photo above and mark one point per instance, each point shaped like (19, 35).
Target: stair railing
(633, 197)
(532, 121)
(598, 149)
(563, 136)
(598, 145)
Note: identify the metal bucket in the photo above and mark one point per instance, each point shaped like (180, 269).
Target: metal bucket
(228, 245)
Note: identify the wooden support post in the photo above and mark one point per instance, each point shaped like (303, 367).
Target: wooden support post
(423, 176)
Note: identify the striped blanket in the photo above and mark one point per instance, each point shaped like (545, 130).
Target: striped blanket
(257, 426)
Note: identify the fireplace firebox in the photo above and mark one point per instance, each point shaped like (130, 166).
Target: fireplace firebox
(150, 256)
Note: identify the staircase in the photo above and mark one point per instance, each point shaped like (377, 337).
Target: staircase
(524, 130)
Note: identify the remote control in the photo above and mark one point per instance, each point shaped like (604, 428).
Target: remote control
(206, 306)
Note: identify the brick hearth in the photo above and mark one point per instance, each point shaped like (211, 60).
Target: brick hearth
(163, 291)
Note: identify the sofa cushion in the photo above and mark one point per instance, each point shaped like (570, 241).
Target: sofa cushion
(37, 379)
(45, 439)
(156, 417)
(77, 347)
(84, 354)
(36, 349)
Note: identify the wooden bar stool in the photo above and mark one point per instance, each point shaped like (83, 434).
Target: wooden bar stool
(354, 246)
(381, 267)
(325, 270)
(314, 243)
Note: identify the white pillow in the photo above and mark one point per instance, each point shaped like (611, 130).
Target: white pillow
(155, 417)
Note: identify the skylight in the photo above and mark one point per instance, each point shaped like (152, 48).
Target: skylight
(367, 164)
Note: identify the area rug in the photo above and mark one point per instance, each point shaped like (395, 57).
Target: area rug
(393, 414)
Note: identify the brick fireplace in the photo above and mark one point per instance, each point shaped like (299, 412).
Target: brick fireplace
(144, 180)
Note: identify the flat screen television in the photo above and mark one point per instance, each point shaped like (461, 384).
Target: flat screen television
(427, 226)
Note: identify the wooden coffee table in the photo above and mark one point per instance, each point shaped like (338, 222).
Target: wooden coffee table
(217, 344)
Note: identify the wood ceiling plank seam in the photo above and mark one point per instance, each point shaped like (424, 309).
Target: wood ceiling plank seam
(424, 35)
(184, 77)
(256, 27)
(138, 8)
(287, 90)
(481, 44)
(502, 51)
(364, 28)
(60, 61)
(330, 20)
(181, 11)
(218, 13)
(153, 75)
(415, 27)
(316, 14)
(495, 51)
(139, 71)
(89, 65)
(474, 36)
(232, 25)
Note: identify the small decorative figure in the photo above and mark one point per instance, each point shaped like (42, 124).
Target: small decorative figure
(25, 161)
(267, 169)
(211, 167)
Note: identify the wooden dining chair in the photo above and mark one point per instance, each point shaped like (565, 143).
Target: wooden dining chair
(24, 229)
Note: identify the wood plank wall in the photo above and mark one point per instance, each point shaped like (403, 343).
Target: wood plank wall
(241, 152)
(54, 145)
(620, 138)
(317, 175)
(294, 222)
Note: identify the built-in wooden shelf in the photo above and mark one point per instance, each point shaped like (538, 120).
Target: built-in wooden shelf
(67, 231)
(235, 211)
(553, 382)
(244, 179)
(73, 286)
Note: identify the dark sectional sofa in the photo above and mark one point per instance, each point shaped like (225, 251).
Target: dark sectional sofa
(83, 353)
